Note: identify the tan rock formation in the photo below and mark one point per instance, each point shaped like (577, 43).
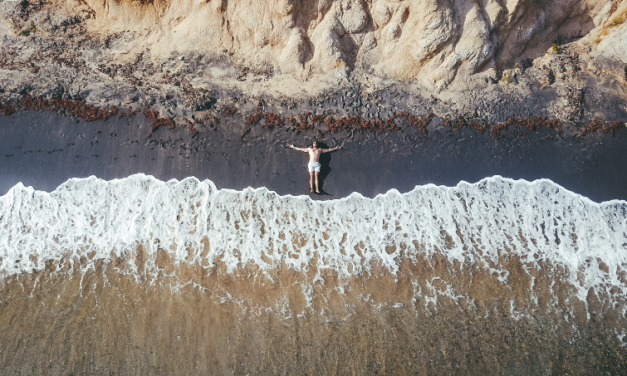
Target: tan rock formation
(433, 41)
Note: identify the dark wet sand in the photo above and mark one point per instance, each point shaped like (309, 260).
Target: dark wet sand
(98, 321)
(42, 149)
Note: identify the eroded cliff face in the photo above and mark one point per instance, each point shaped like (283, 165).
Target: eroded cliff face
(430, 40)
(176, 55)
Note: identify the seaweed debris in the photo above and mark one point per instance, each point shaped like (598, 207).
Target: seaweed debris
(190, 125)
(600, 125)
(76, 108)
(309, 121)
(229, 110)
(244, 133)
(157, 121)
(461, 122)
(531, 124)
(6, 109)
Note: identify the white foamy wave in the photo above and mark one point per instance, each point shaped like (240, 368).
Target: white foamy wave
(198, 224)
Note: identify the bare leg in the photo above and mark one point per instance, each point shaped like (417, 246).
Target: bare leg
(317, 190)
(311, 181)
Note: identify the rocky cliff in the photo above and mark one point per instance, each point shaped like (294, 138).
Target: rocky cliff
(184, 56)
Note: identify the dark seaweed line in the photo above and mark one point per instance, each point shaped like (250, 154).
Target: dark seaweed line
(272, 120)
(80, 109)
(308, 121)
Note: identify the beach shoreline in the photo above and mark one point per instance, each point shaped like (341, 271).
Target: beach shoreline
(153, 219)
(44, 149)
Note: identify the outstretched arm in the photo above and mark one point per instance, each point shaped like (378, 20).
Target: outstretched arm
(299, 149)
(333, 149)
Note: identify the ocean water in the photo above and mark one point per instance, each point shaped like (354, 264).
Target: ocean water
(143, 276)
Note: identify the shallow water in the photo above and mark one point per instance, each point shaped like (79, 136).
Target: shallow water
(143, 276)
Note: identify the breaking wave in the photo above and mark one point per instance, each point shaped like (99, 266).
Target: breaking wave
(474, 226)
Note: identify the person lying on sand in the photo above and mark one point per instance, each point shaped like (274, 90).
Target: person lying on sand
(314, 162)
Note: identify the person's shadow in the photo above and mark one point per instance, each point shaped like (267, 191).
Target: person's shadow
(325, 168)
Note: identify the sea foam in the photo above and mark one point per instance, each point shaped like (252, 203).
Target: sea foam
(198, 224)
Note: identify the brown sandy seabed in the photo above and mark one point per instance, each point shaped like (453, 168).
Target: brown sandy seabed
(88, 316)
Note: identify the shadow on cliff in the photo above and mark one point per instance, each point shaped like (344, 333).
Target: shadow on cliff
(566, 30)
(308, 13)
